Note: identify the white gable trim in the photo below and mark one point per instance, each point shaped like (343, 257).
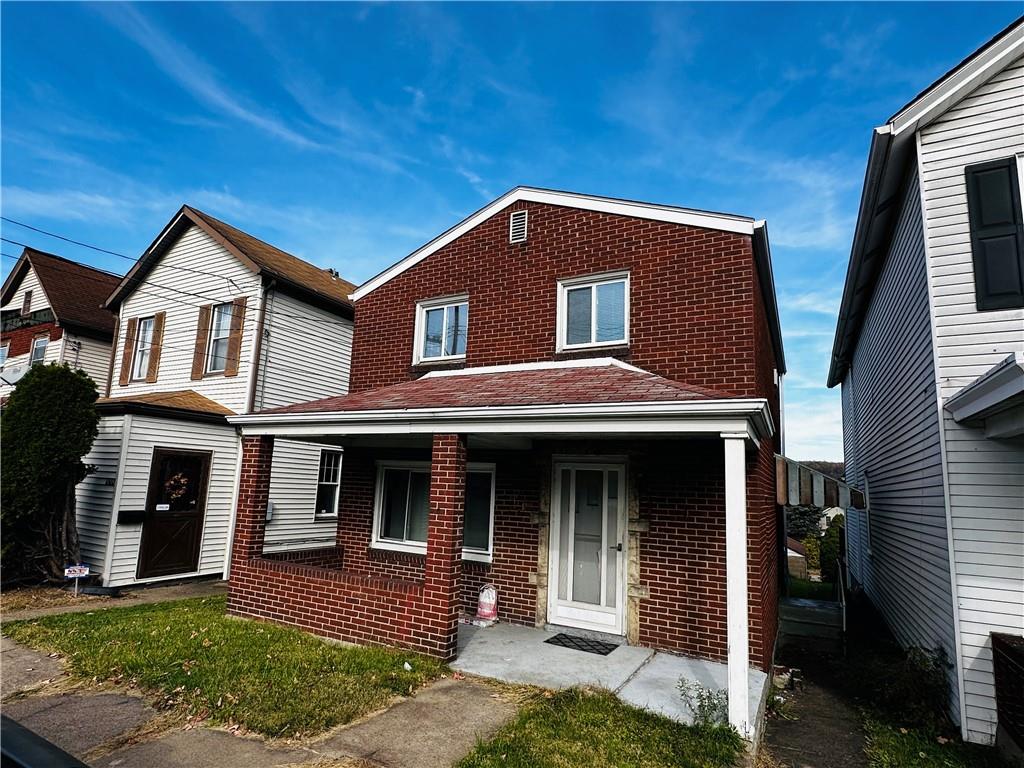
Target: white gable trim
(720, 221)
(960, 82)
(593, 362)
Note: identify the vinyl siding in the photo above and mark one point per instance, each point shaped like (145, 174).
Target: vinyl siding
(293, 486)
(92, 357)
(30, 282)
(986, 477)
(147, 433)
(891, 418)
(194, 250)
(94, 496)
(52, 355)
(305, 355)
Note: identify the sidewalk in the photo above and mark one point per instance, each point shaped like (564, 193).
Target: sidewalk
(128, 597)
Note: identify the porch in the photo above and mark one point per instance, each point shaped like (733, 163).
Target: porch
(628, 517)
(640, 676)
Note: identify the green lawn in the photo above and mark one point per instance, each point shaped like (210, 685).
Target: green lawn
(585, 729)
(890, 746)
(813, 590)
(274, 680)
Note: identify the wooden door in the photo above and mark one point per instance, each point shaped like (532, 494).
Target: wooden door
(175, 505)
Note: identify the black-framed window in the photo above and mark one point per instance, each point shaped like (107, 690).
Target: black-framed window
(997, 233)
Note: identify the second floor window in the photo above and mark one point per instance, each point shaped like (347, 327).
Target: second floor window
(3, 354)
(220, 334)
(39, 344)
(593, 311)
(143, 348)
(441, 329)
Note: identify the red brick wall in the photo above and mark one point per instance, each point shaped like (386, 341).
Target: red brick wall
(20, 339)
(691, 295)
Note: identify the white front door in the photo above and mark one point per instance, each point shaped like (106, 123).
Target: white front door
(587, 567)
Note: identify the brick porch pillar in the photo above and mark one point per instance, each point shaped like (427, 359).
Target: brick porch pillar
(253, 496)
(443, 574)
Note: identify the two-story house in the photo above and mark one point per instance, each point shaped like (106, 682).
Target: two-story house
(52, 312)
(929, 350)
(571, 398)
(211, 322)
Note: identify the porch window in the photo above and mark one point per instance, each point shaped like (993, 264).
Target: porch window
(220, 334)
(593, 311)
(328, 483)
(402, 507)
(441, 329)
(39, 344)
(143, 345)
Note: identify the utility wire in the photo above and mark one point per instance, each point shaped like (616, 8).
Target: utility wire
(205, 298)
(104, 250)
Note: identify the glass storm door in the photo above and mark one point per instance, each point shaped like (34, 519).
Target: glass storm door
(587, 568)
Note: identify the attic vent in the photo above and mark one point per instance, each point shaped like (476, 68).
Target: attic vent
(517, 227)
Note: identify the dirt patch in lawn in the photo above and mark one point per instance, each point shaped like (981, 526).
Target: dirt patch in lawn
(42, 596)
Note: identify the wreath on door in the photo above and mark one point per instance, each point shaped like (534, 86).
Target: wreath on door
(176, 486)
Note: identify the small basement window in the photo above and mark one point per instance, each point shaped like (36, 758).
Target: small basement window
(593, 311)
(442, 326)
(517, 227)
(402, 504)
(328, 484)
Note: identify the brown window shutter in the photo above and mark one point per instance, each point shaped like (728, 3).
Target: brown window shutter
(235, 339)
(156, 346)
(202, 338)
(129, 351)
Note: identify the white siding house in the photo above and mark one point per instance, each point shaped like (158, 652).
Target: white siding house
(212, 322)
(54, 306)
(933, 383)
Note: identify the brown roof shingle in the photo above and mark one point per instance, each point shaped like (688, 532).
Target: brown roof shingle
(181, 400)
(280, 263)
(76, 292)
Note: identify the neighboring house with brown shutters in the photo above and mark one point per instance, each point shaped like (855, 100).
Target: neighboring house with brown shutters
(929, 350)
(52, 312)
(212, 322)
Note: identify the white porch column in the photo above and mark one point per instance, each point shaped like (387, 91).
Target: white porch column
(736, 579)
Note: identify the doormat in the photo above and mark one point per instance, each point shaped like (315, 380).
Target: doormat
(585, 644)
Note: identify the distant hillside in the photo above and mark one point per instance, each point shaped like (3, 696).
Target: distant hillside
(836, 469)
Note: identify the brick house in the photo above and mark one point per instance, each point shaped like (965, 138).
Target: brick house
(572, 398)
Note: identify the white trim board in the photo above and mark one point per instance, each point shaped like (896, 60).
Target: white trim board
(721, 221)
(547, 365)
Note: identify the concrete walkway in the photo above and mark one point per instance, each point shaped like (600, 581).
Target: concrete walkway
(436, 727)
(128, 597)
(639, 676)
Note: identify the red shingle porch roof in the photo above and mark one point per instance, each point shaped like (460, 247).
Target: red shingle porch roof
(581, 384)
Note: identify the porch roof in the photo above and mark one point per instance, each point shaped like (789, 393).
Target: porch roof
(531, 397)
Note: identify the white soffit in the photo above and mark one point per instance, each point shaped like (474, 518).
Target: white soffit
(720, 221)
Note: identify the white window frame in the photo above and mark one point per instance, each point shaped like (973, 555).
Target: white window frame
(137, 348)
(592, 282)
(211, 338)
(32, 350)
(5, 348)
(317, 514)
(421, 328)
(477, 555)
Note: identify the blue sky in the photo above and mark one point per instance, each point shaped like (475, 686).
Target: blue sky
(351, 134)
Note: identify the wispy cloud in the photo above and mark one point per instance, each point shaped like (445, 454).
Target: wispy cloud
(195, 76)
(814, 430)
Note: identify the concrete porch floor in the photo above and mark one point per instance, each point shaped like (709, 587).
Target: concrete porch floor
(639, 676)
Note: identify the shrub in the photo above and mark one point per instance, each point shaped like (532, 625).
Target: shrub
(831, 549)
(813, 546)
(49, 423)
(709, 707)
